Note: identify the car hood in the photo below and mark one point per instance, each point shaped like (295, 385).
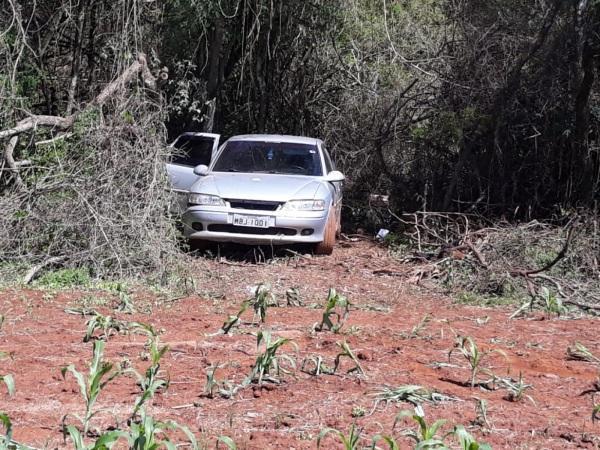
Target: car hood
(258, 186)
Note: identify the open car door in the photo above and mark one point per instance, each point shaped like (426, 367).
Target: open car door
(188, 151)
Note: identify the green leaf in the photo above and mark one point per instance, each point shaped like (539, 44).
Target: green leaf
(9, 381)
(229, 443)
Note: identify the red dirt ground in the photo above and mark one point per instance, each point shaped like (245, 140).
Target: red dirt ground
(44, 338)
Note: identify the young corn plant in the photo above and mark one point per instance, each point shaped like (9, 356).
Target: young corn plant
(580, 352)
(9, 382)
(346, 352)
(263, 298)
(234, 320)
(103, 442)
(125, 301)
(227, 442)
(426, 436)
(467, 347)
(151, 434)
(100, 374)
(151, 381)
(596, 413)
(516, 389)
(418, 328)
(466, 440)
(551, 303)
(314, 365)
(6, 440)
(292, 297)
(335, 314)
(411, 393)
(389, 440)
(109, 325)
(269, 360)
(349, 441)
(481, 417)
(224, 388)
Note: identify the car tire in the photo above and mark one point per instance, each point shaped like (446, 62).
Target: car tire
(325, 247)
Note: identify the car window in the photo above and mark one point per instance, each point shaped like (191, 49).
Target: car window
(269, 157)
(329, 165)
(192, 151)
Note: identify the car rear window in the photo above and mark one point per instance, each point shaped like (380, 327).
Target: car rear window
(269, 157)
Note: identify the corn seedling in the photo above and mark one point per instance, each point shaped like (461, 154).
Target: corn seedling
(411, 393)
(347, 353)
(100, 374)
(263, 298)
(335, 302)
(516, 389)
(580, 352)
(9, 382)
(358, 411)
(104, 441)
(466, 441)
(467, 347)
(125, 302)
(234, 320)
(426, 435)
(551, 303)
(151, 381)
(151, 434)
(6, 441)
(108, 325)
(314, 365)
(269, 360)
(227, 442)
(596, 413)
(292, 297)
(418, 328)
(349, 441)
(224, 388)
(389, 440)
(481, 418)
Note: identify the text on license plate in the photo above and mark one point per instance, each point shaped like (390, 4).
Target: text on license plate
(251, 221)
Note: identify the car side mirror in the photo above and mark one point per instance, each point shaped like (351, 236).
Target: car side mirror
(334, 176)
(201, 170)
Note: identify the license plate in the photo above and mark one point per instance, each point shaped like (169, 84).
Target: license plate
(251, 221)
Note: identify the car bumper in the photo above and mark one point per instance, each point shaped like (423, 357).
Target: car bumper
(217, 226)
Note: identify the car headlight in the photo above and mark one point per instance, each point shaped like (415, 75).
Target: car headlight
(205, 200)
(305, 205)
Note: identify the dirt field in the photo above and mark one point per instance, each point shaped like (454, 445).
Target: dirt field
(44, 338)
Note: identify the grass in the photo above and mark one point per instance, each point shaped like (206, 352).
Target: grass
(65, 278)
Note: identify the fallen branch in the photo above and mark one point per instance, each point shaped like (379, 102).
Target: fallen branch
(139, 66)
(29, 277)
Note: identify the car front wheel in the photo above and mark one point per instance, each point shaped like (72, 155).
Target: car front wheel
(325, 247)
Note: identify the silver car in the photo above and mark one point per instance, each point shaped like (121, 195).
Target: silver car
(266, 189)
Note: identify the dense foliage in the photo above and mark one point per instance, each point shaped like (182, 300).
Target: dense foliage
(455, 105)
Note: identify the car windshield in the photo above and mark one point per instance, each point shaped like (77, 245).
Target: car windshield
(269, 157)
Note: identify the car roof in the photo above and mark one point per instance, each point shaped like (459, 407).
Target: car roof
(276, 138)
